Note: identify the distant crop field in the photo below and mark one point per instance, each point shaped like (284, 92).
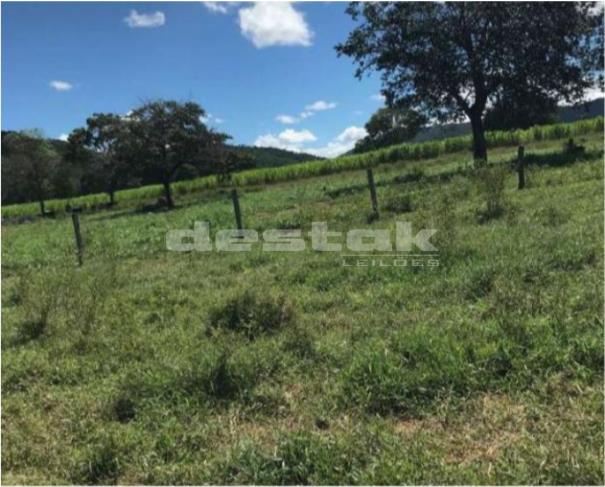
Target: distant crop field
(149, 366)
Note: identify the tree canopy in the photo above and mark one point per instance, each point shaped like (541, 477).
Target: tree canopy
(104, 144)
(389, 126)
(449, 59)
(29, 163)
(167, 135)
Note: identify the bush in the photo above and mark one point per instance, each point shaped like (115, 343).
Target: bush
(252, 313)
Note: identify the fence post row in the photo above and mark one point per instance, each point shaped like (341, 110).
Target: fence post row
(373, 192)
(236, 209)
(75, 218)
(521, 167)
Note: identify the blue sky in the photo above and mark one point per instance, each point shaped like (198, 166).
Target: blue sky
(266, 72)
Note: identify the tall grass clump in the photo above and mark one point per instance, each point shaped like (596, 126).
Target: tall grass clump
(490, 184)
(252, 313)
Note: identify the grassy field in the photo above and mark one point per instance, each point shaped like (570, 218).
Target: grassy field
(149, 366)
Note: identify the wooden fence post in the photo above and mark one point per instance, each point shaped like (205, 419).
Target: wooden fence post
(75, 218)
(521, 167)
(236, 209)
(373, 192)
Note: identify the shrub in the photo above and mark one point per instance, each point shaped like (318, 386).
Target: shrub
(252, 313)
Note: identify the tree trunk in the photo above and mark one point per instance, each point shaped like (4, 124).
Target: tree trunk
(112, 197)
(42, 209)
(168, 194)
(479, 145)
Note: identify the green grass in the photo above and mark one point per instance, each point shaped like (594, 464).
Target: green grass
(148, 366)
(393, 154)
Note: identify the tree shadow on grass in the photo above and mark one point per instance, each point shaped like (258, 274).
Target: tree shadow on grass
(561, 158)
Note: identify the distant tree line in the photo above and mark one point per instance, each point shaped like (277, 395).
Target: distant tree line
(157, 143)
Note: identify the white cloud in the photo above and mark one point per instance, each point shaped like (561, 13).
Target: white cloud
(270, 140)
(292, 136)
(358, 112)
(309, 111)
(593, 93)
(340, 144)
(597, 8)
(378, 97)
(63, 137)
(320, 105)
(210, 119)
(60, 85)
(135, 19)
(274, 24)
(289, 139)
(216, 7)
(295, 140)
(351, 134)
(589, 94)
(286, 119)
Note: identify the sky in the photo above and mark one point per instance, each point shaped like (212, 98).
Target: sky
(266, 73)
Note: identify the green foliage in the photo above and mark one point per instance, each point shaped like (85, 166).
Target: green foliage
(28, 168)
(390, 126)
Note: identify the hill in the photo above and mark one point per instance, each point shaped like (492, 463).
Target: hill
(272, 157)
(565, 114)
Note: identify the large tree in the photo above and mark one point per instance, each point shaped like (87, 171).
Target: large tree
(103, 145)
(448, 60)
(168, 135)
(389, 126)
(29, 162)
